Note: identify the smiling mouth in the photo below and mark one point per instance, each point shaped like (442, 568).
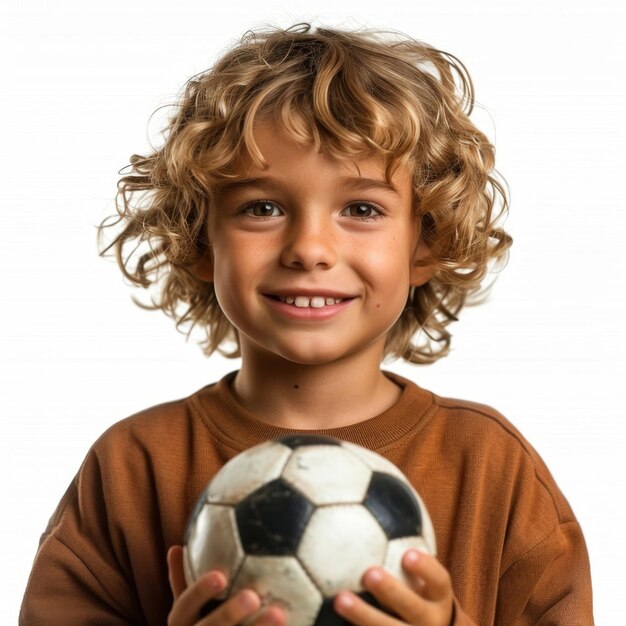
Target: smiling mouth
(304, 302)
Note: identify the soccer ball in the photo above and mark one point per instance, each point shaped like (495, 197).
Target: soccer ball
(299, 519)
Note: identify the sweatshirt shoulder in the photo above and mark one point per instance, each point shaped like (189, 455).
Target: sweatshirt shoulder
(489, 436)
(156, 417)
(158, 426)
(480, 420)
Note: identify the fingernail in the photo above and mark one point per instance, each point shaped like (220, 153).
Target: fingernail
(374, 576)
(214, 582)
(412, 557)
(344, 601)
(271, 619)
(247, 600)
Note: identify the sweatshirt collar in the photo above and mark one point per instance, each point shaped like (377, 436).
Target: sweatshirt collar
(230, 422)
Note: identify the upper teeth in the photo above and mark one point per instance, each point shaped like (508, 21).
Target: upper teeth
(317, 302)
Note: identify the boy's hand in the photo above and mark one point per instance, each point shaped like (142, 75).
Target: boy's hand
(428, 600)
(188, 601)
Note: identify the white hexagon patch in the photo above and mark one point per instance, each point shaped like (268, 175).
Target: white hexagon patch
(282, 581)
(327, 474)
(247, 472)
(339, 544)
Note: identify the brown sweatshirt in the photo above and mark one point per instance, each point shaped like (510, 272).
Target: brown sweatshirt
(505, 532)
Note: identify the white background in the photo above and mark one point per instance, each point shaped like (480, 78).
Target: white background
(78, 83)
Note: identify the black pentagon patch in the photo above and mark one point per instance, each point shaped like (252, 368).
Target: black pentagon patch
(295, 441)
(271, 519)
(395, 507)
(328, 617)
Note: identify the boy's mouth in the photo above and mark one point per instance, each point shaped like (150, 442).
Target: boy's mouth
(303, 302)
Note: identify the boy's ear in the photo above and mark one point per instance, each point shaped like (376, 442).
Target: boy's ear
(203, 269)
(420, 274)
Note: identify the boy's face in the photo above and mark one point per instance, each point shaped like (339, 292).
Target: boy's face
(312, 257)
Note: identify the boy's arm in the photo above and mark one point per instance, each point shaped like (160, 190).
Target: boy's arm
(550, 583)
(62, 590)
(77, 576)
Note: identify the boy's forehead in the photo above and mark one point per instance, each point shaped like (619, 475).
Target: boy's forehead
(278, 147)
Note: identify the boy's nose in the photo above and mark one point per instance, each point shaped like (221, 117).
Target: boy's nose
(309, 246)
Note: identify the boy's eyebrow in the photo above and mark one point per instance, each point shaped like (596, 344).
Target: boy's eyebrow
(368, 183)
(242, 183)
(269, 182)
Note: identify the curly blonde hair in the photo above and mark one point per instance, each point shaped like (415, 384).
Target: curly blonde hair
(352, 94)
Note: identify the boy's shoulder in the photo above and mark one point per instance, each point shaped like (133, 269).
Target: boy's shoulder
(151, 421)
(476, 417)
(484, 428)
(480, 432)
(460, 418)
(165, 428)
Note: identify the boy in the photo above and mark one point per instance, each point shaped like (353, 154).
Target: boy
(321, 201)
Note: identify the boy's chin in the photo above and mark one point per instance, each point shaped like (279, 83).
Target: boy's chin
(318, 355)
(314, 358)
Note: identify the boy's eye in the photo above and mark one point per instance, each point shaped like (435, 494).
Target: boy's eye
(262, 209)
(363, 210)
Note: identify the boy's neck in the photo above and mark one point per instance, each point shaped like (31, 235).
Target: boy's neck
(313, 397)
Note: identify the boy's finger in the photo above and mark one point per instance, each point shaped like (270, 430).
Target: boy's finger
(176, 573)
(358, 612)
(188, 605)
(242, 605)
(273, 616)
(394, 594)
(427, 575)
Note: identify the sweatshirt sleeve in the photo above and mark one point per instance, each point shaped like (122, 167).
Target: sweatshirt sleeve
(515, 550)
(549, 584)
(544, 577)
(77, 576)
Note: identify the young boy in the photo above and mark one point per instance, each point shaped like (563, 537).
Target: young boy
(321, 201)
